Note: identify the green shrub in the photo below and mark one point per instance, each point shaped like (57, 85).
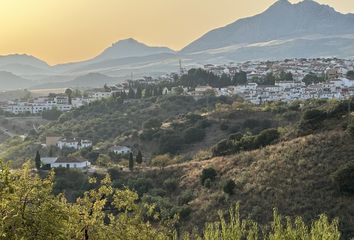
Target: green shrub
(192, 135)
(185, 197)
(152, 123)
(222, 148)
(266, 137)
(208, 173)
(170, 143)
(344, 178)
(170, 184)
(229, 186)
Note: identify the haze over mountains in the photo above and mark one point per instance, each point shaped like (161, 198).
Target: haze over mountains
(306, 29)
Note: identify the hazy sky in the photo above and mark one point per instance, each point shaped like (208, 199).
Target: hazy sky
(69, 30)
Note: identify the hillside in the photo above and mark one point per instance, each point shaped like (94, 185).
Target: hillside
(10, 81)
(293, 176)
(277, 155)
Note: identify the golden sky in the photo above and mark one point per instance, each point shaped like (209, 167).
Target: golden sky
(60, 31)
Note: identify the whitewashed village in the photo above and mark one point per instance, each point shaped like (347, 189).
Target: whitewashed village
(298, 85)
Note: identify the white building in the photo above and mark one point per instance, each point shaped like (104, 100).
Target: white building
(66, 162)
(73, 143)
(101, 95)
(120, 150)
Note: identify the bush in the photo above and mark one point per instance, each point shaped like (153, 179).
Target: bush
(314, 115)
(52, 114)
(266, 137)
(185, 197)
(350, 130)
(222, 148)
(344, 178)
(170, 143)
(152, 123)
(224, 126)
(192, 135)
(170, 184)
(208, 173)
(229, 187)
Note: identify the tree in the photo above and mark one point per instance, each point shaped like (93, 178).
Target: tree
(192, 135)
(152, 123)
(161, 161)
(208, 173)
(138, 94)
(131, 93)
(37, 160)
(50, 153)
(229, 187)
(240, 78)
(131, 162)
(344, 178)
(52, 114)
(69, 93)
(350, 75)
(139, 158)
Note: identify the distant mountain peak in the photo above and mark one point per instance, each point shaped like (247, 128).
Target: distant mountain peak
(127, 41)
(130, 47)
(282, 20)
(24, 59)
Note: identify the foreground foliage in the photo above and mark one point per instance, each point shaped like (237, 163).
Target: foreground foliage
(29, 210)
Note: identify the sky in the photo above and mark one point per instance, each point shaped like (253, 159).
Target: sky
(59, 31)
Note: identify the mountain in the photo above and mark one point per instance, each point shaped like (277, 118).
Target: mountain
(22, 59)
(92, 80)
(87, 80)
(129, 48)
(282, 20)
(10, 81)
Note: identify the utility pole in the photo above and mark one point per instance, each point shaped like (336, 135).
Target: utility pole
(180, 67)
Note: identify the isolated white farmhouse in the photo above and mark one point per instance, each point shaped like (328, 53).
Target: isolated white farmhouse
(66, 162)
(120, 150)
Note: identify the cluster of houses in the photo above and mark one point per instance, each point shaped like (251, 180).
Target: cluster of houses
(62, 143)
(333, 68)
(288, 91)
(77, 144)
(34, 106)
(337, 86)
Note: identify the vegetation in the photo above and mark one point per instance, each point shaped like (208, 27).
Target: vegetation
(207, 154)
(350, 75)
(344, 178)
(239, 142)
(229, 186)
(30, 211)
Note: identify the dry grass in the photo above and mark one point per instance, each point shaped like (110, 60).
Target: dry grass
(292, 176)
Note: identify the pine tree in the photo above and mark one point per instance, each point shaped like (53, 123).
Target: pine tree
(131, 162)
(131, 93)
(50, 154)
(38, 160)
(139, 158)
(138, 93)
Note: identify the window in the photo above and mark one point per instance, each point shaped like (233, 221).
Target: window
(68, 165)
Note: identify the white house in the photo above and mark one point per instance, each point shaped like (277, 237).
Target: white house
(101, 95)
(120, 150)
(73, 143)
(67, 162)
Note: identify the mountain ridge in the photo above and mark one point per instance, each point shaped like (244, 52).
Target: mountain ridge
(283, 15)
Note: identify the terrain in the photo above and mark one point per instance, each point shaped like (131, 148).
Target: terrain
(294, 171)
